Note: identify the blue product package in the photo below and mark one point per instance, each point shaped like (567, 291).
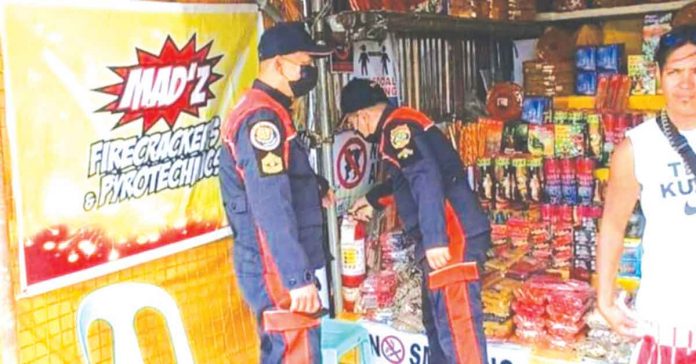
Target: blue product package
(534, 108)
(610, 58)
(586, 59)
(630, 264)
(586, 83)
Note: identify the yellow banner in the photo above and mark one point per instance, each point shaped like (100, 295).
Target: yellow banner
(113, 113)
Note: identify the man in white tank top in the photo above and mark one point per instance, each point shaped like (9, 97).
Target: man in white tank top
(647, 166)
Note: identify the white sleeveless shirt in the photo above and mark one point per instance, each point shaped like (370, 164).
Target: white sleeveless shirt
(667, 291)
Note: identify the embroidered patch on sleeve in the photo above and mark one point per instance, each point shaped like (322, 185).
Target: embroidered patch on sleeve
(265, 136)
(267, 141)
(271, 164)
(402, 147)
(400, 136)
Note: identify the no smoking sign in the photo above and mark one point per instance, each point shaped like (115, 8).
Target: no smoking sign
(393, 349)
(351, 163)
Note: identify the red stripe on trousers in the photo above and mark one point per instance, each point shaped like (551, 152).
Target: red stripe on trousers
(457, 297)
(297, 348)
(455, 233)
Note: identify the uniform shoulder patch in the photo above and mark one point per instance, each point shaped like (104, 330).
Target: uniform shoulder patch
(265, 136)
(402, 146)
(267, 141)
(400, 136)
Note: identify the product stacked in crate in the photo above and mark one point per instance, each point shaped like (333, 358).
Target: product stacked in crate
(610, 66)
(522, 10)
(490, 9)
(601, 343)
(550, 310)
(574, 5)
(502, 10)
(597, 60)
(549, 78)
(497, 309)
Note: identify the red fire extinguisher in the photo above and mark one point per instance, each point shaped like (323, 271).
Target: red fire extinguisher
(353, 268)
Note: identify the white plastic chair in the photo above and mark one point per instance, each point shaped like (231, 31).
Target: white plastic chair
(117, 304)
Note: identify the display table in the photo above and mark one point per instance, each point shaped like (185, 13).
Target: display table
(391, 346)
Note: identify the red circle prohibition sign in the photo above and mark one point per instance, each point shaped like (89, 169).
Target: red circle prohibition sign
(351, 163)
(393, 349)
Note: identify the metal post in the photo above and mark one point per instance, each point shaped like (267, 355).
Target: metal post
(326, 163)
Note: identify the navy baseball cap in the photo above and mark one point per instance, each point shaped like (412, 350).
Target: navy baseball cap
(287, 38)
(360, 93)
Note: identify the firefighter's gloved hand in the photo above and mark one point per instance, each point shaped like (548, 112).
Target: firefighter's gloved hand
(361, 210)
(305, 299)
(438, 257)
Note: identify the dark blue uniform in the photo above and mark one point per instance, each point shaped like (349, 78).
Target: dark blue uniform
(272, 200)
(437, 206)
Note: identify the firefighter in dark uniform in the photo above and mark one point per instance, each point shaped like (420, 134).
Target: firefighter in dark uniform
(428, 183)
(273, 201)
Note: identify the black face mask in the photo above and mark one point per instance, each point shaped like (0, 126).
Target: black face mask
(306, 82)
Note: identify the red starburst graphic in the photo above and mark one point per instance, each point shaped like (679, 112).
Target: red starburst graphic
(163, 86)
